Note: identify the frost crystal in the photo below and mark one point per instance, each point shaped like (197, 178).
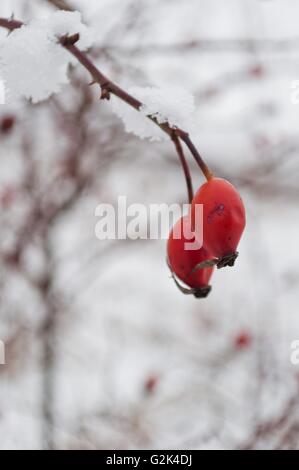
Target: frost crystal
(32, 63)
(172, 104)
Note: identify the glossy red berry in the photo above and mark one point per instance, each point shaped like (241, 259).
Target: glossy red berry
(183, 261)
(223, 216)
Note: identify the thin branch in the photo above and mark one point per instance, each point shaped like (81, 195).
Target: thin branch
(108, 87)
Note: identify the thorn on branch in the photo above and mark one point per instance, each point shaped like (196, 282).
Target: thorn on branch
(69, 40)
(105, 92)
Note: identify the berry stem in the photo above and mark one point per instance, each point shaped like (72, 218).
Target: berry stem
(198, 158)
(185, 166)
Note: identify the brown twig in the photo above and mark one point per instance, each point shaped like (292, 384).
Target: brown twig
(108, 87)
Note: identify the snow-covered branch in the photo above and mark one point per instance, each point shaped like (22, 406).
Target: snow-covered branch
(108, 87)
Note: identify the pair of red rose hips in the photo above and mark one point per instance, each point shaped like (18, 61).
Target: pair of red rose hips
(223, 221)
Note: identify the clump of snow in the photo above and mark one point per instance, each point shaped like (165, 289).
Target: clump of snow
(32, 62)
(174, 105)
(60, 23)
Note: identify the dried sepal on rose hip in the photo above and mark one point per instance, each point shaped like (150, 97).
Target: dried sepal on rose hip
(223, 219)
(182, 260)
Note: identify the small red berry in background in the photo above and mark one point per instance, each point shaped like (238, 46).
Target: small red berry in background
(243, 340)
(257, 71)
(223, 216)
(150, 384)
(6, 124)
(7, 196)
(182, 261)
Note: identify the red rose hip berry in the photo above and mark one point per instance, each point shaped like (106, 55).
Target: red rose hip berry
(223, 219)
(183, 261)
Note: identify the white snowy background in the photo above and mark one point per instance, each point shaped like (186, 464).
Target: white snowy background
(102, 350)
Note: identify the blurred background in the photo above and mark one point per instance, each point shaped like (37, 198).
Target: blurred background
(102, 350)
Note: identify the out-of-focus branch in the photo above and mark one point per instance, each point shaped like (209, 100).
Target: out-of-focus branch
(212, 46)
(49, 326)
(272, 425)
(108, 87)
(61, 4)
(221, 84)
(37, 226)
(290, 439)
